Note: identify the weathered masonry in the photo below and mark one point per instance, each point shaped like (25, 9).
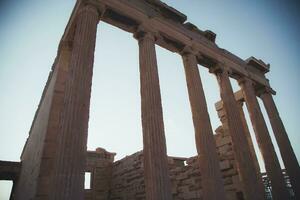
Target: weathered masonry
(53, 160)
(124, 179)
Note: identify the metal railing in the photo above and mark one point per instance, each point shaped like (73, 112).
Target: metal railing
(268, 188)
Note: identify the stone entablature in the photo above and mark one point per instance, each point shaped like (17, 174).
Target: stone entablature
(174, 32)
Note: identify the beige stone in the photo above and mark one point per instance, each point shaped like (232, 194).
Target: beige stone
(53, 158)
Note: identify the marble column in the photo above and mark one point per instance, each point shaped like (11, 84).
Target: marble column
(240, 145)
(251, 147)
(273, 169)
(248, 136)
(157, 181)
(73, 128)
(211, 179)
(288, 156)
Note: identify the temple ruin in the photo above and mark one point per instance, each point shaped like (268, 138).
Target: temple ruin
(55, 157)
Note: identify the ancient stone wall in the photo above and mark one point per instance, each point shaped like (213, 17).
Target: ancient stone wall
(33, 149)
(39, 152)
(127, 178)
(99, 164)
(228, 166)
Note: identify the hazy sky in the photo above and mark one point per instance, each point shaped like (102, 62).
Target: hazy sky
(29, 36)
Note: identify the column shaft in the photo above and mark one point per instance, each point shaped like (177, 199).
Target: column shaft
(251, 147)
(288, 156)
(70, 165)
(264, 141)
(248, 136)
(240, 145)
(211, 179)
(157, 181)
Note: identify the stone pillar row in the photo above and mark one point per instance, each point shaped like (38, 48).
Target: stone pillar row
(288, 156)
(264, 141)
(68, 179)
(241, 149)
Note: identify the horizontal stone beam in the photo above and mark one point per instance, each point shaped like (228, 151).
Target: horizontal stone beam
(129, 15)
(9, 170)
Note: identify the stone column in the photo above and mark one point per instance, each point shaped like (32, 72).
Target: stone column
(240, 145)
(157, 181)
(251, 147)
(248, 136)
(71, 154)
(264, 141)
(288, 156)
(211, 179)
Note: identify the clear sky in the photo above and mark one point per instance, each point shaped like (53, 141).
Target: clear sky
(30, 32)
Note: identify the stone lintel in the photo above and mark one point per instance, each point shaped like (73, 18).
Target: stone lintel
(128, 15)
(102, 151)
(178, 158)
(9, 170)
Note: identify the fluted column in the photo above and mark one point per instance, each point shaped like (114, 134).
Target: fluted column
(240, 145)
(69, 170)
(157, 181)
(211, 179)
(251, 147)
(264, 141)
(287, 153)
(248, 136)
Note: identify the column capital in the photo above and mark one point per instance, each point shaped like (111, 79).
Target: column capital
(188, 50)
(244, 80)
(90, 8)
(143, 33)
(218, 69)
(264, 90)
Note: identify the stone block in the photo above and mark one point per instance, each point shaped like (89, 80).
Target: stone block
(224, 165)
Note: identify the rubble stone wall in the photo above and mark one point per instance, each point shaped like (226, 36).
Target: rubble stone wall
(127, 179)
(99, 164)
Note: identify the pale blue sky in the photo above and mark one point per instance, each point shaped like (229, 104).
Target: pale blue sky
(30, 32)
